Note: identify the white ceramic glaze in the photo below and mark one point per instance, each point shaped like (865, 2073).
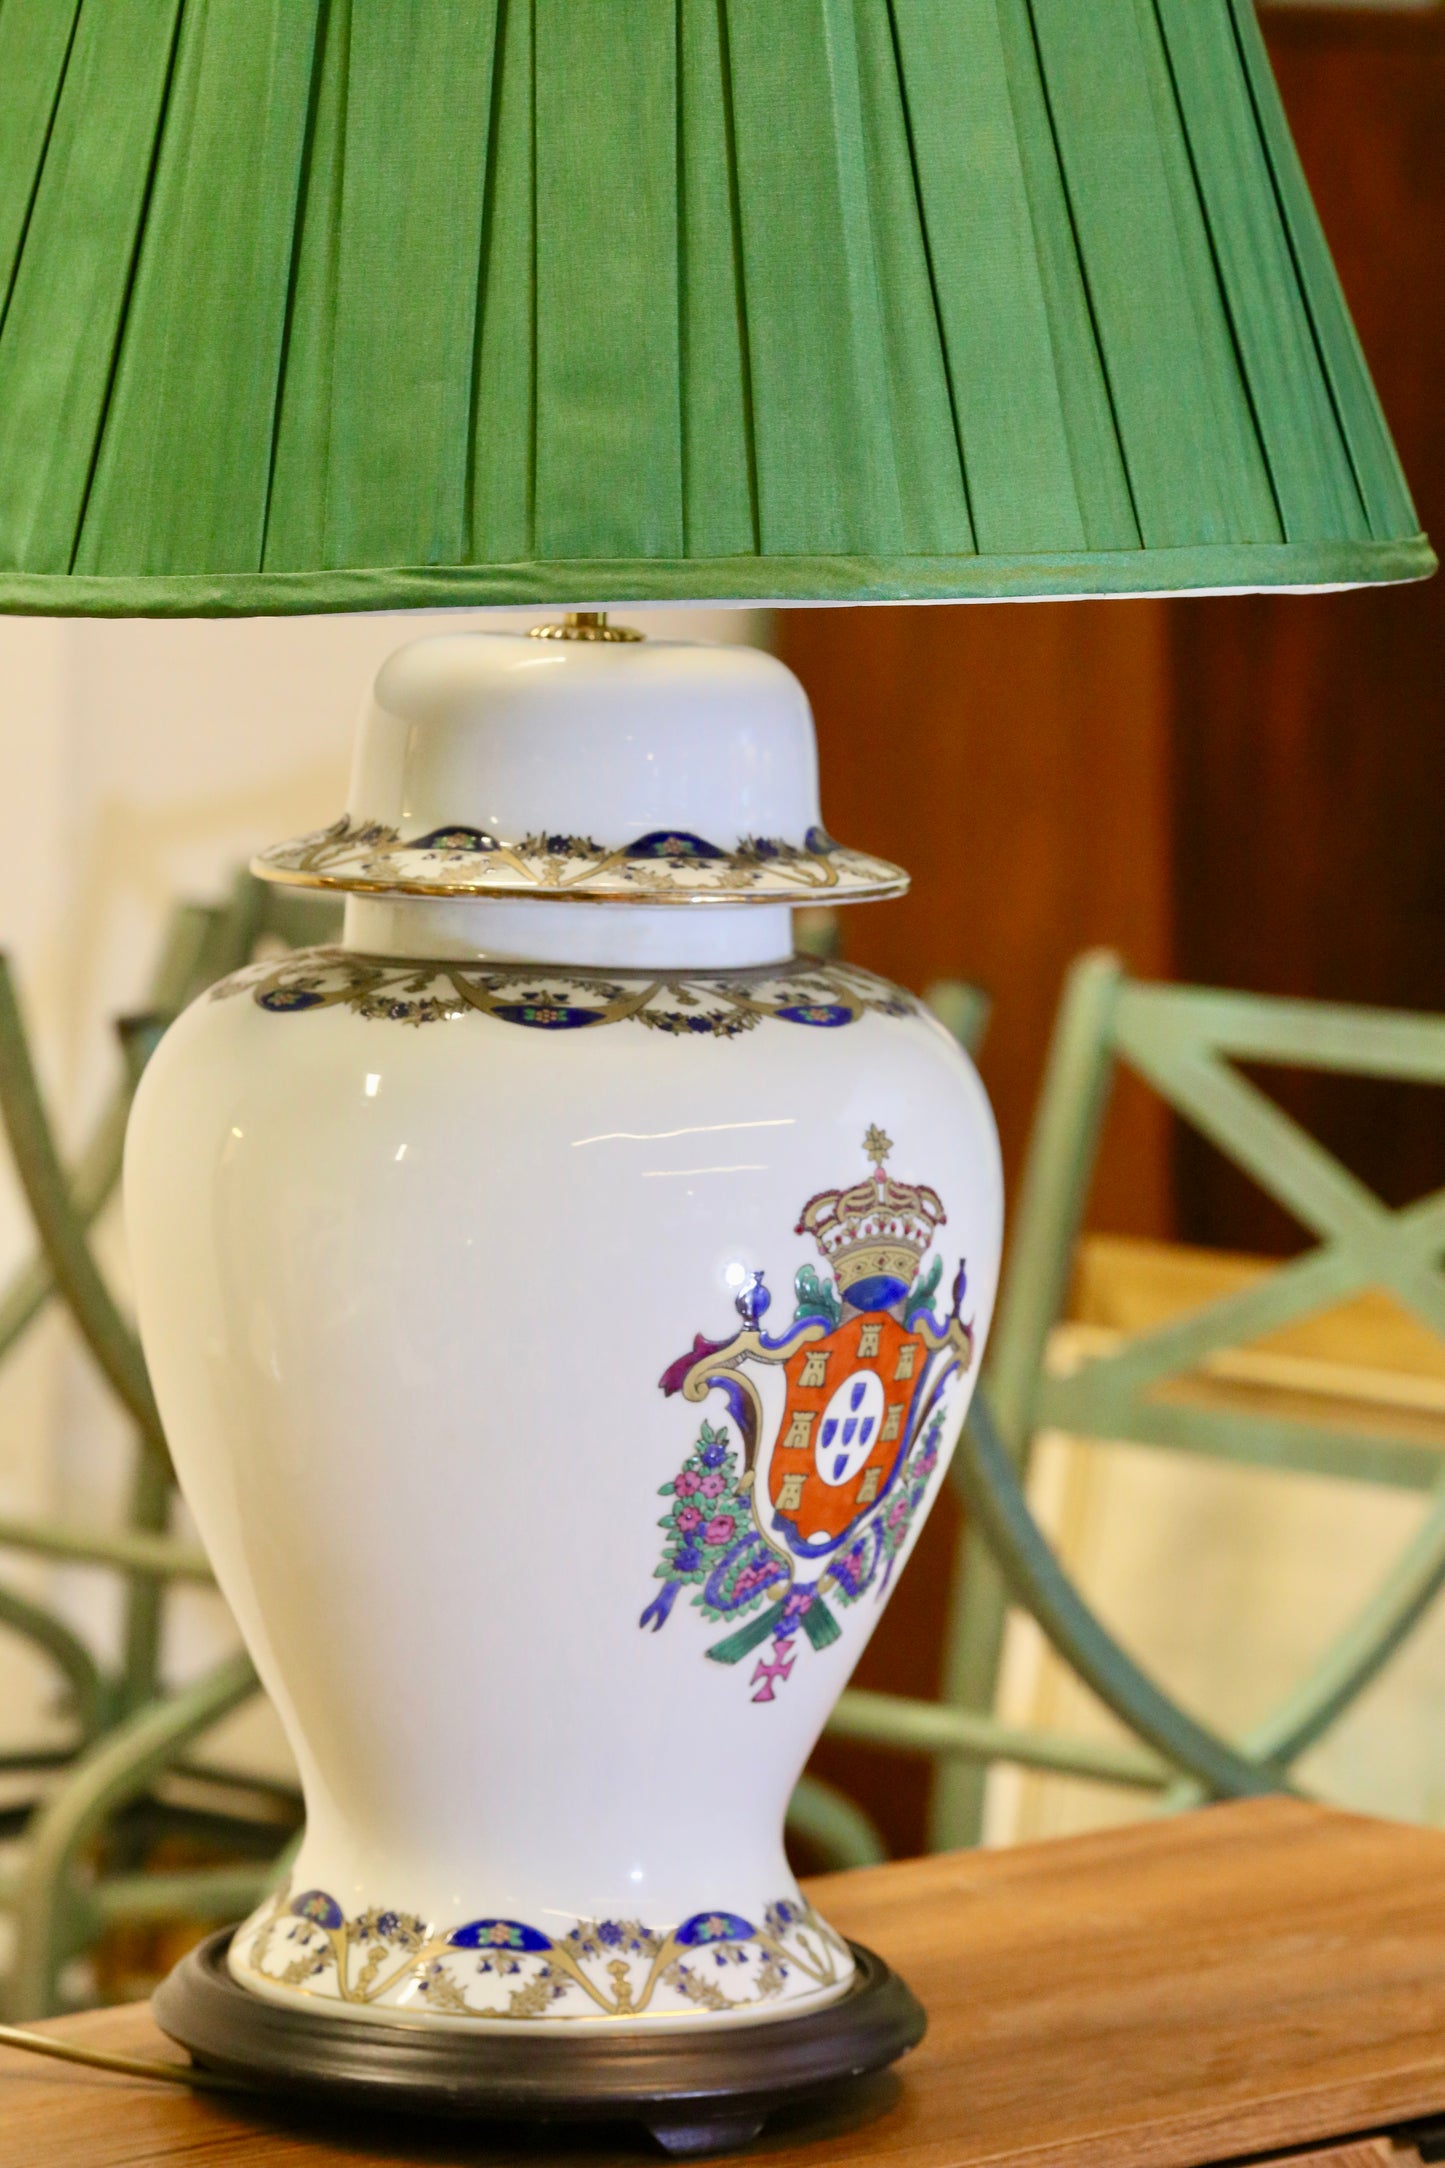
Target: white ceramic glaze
(657, 774)
(571, 933)
(469, 1288)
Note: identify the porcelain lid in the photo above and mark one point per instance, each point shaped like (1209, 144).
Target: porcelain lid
(494, 763)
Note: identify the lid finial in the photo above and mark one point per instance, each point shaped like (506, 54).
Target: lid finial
(585, 625)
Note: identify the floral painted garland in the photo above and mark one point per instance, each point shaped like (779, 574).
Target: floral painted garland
(710, 1547)
(546, 997)
(498, 1968)
(460, 860)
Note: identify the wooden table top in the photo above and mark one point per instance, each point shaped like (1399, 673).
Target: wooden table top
(1248, 1979)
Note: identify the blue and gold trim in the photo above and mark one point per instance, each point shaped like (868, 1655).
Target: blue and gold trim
(550, 997)
(716, 1961)
(667, 865)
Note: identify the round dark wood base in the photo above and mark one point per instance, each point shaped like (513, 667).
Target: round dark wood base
(697, 2089)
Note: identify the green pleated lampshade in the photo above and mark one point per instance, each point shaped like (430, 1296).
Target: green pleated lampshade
(354, 304)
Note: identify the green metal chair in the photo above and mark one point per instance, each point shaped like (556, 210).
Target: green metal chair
(1184, 1041)
(94, 1805)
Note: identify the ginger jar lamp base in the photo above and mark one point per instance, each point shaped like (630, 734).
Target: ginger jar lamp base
(562, 1300)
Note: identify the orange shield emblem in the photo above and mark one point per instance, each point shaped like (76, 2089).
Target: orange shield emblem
(844, 1428)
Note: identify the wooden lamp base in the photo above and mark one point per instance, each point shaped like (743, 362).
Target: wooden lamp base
(698, 2090)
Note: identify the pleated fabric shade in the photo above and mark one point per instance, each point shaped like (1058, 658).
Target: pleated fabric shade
(354, 304)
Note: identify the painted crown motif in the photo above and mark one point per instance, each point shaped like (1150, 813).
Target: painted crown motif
(874, 1234)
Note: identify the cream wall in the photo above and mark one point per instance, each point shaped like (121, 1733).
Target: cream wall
(141, 762)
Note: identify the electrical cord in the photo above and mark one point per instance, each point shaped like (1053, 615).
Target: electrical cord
(126, 2066)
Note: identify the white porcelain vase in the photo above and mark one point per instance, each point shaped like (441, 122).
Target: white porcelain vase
(562, 1302)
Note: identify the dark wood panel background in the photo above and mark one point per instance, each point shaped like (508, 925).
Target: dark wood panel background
(1309, 731)
(1246, 792)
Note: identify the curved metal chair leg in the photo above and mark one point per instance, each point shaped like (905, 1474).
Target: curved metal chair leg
(949, 1734)
(61, 1228)
(50, 1908)
(994, 1493)
(835, 1825)
(1388, 1616)
(1067, 1123)
(96, 1171)
(66, 1650)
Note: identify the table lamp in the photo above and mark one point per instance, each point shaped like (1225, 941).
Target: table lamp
(563, 1299)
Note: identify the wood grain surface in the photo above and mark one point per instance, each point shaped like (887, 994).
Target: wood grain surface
(1242, 1981)
(1354, 2153)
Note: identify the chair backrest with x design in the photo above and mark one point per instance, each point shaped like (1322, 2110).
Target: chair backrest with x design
(1154, 1387)
(1186, 1042)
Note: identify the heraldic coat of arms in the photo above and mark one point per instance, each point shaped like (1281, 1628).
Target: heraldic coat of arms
(776, 1518)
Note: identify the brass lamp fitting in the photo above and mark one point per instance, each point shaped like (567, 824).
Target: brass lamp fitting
(585, 625)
